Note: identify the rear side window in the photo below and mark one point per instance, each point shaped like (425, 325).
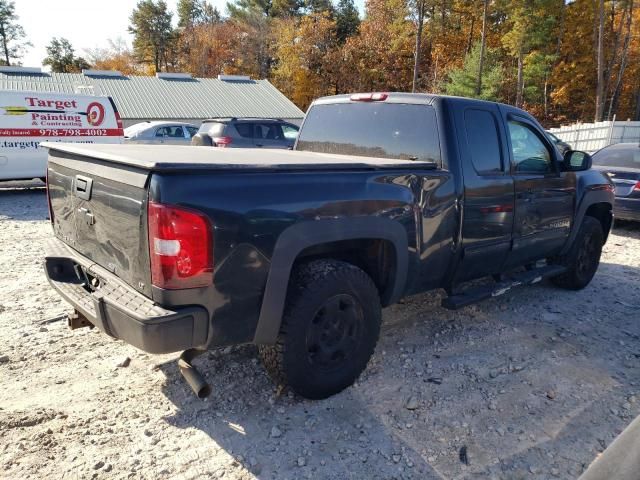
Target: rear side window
(245, 130)
(213, 129)
(483, 142)
(376, 129)
(192, 131)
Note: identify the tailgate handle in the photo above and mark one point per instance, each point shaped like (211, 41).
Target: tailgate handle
(82, 187)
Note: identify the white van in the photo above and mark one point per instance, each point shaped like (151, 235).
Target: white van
(28, 118)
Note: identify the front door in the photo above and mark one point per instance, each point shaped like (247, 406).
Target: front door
(544, 196)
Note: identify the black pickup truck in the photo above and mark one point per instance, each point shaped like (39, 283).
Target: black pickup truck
(384, 196)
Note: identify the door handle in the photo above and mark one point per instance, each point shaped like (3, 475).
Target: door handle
(82, 187)
(259, 145)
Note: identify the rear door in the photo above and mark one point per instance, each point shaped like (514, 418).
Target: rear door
(160, 136)
(176, 136)
(544, 196)
(244, 135)
(488, 192)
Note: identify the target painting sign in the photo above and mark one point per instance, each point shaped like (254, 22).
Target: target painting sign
(28, 118)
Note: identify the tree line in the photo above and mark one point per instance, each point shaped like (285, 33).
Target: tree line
(562, 60)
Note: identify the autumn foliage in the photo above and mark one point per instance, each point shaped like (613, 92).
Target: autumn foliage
(538, 54)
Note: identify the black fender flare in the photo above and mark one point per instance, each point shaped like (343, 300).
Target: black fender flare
(306, 234)
(591, 197)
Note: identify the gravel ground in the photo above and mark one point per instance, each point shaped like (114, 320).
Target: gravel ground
(530, 385)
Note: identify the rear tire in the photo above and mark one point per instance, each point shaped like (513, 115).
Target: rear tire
(329, 329)
(583, 257)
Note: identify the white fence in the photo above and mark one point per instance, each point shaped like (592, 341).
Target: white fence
(590, 137)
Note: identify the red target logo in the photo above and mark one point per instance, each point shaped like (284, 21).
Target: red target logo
(95, 114)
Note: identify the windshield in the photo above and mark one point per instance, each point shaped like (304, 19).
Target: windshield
(372, 129)
(628, 157)
(133, 130)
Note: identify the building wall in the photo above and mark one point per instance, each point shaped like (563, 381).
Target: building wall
(590, 137)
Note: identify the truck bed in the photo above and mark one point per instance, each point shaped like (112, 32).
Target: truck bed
(181, 158)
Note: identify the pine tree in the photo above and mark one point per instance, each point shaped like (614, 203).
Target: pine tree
(196, 12)
(463, 81)
(61, 57)
(11, 33)
(347, 20)
(154, 35)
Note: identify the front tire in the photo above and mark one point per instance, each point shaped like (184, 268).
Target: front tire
(329, 329)
(583, 257)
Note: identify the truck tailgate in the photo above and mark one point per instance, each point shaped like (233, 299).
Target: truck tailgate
(98, 208)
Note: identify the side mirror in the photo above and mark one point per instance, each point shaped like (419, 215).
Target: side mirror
(576, 161)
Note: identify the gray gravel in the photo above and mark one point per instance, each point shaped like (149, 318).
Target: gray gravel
(530, 385)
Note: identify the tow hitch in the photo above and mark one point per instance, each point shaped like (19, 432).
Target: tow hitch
(77, 320)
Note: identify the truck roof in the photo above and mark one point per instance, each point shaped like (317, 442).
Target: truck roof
(177, 157)
(414, 98)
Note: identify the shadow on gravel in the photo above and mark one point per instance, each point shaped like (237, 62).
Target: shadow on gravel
(627, 228)
(26, 203)
(275, 436)
(531, 385)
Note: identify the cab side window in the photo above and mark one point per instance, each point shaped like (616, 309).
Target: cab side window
(530, 154)
(483, 142)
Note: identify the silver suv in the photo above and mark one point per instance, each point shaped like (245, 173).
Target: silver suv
(246, 133)
(163, 133)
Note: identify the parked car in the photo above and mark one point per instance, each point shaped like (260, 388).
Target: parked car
(562, 146)
(163, 133)
(621, 162)
(246, 133)
(385, 195)
(29, 118)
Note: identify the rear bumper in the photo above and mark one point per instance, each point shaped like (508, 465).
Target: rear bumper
(627, 209)
(119, 310)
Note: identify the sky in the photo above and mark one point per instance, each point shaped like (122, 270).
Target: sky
(87, 24)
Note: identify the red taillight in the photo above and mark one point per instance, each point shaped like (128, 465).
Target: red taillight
(49, 196)
(222, 141)
(180, 247)
(637, 186)
(369, 97)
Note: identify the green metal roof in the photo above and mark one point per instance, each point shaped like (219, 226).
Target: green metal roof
(158, 98)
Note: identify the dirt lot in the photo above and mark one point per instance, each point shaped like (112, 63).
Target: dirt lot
(531, 385)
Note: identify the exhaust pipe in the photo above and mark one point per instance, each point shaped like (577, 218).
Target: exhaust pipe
(193, 377)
